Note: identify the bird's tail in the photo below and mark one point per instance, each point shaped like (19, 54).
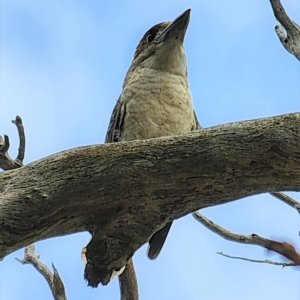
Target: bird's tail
(157, 241)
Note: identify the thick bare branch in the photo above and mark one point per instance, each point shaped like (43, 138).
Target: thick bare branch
(7, 163)
(55, 283)
(288, 31)
(128, 281)
(100, 188)
(282, 248)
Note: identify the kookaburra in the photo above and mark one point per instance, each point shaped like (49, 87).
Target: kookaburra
(156, 99)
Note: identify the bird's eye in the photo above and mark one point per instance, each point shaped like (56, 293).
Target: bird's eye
(150, 37)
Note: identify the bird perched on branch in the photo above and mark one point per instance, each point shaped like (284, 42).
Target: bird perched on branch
(156, 99)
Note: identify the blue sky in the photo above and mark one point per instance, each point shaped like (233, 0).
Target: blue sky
(62, 68)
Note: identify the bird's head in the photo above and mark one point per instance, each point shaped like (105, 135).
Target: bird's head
(161, 47)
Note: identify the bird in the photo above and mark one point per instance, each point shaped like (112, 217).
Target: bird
(156, 100)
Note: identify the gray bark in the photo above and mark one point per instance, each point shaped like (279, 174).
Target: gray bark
(123, 192)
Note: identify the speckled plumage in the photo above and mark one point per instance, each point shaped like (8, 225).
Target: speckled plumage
(156, 104)
(156, 99)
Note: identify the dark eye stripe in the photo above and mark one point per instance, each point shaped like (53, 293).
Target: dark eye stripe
(152, 32)
(150, 37)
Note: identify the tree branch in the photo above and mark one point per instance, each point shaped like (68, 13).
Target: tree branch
(21, 151)
(284, 249)
(7, 163)
(128, 283)
(266, 261)
(127, 280)
(287, 200)
(291, 39)
(54, 281)
(100, 188)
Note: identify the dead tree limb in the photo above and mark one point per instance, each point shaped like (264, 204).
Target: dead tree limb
(54, 281)
(283, 248)
(287, 31)
(100, 188)
(128, 283)
(6, 162)
(127, 280)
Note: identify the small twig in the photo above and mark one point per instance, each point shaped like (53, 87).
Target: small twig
(21, 131)
(54, 281)
(6, 162)
(285, 249)
(291, 39)
(266, 261)
(287, 200)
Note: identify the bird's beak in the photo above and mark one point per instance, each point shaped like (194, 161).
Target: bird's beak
(177, 29)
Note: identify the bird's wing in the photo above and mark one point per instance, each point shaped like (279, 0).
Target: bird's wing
(115, 123)
(198, 126)
(158, 239)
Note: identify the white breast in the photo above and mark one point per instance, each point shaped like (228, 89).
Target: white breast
(156, 103)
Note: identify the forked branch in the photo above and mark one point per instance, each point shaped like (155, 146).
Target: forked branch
(53, 279)
(287, 31)
(283, 248)
(6, 162)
